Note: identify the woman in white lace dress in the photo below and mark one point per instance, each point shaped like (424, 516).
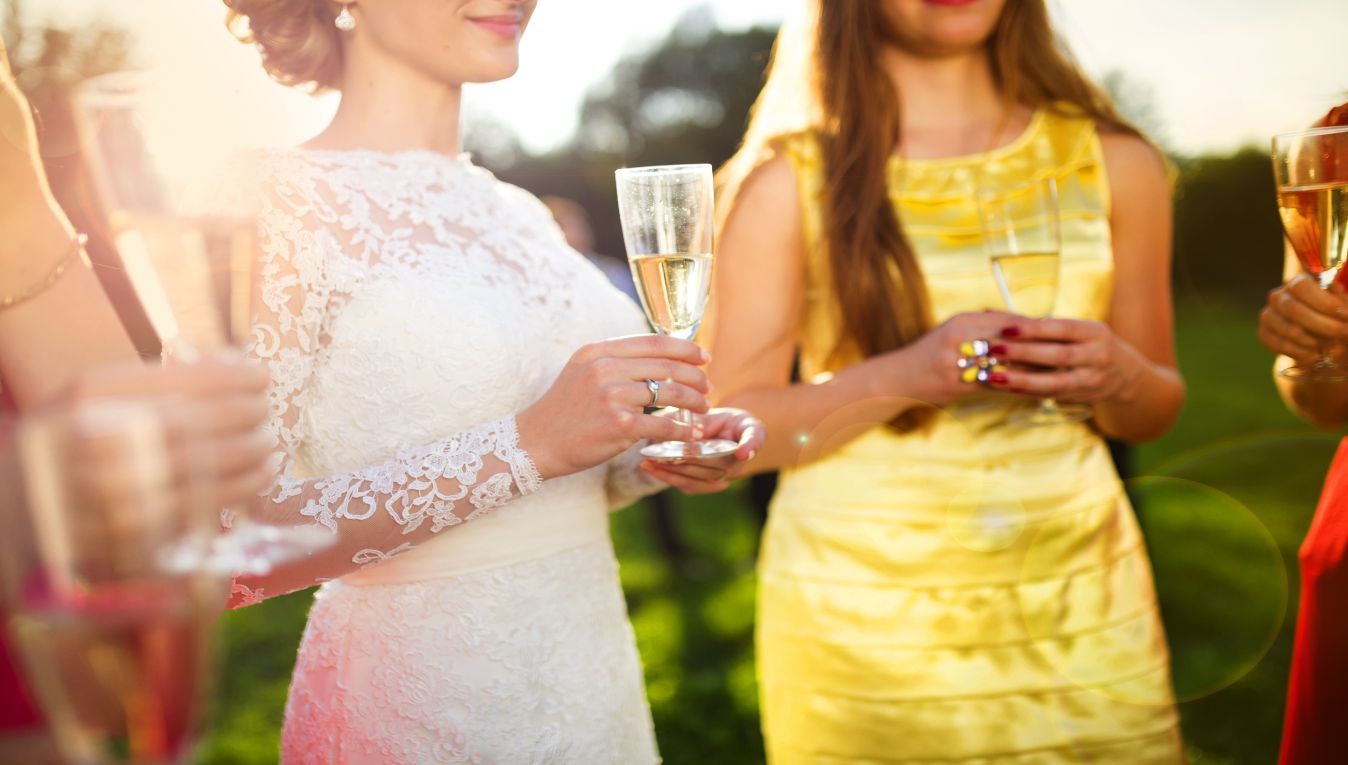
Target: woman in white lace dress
(439, 359)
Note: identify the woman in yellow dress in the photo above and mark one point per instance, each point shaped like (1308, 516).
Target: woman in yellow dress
(938, 585)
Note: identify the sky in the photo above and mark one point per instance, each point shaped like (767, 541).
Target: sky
(1220, 73)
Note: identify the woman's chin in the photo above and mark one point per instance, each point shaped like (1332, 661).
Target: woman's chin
(489, 69)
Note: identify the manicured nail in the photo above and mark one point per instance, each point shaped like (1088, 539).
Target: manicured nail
(998, 378)
(998, 350)
(706, 357)
(752, 452)
(1011, 332)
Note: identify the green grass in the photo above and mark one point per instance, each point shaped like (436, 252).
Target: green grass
(1225, 499)
(1225, 545)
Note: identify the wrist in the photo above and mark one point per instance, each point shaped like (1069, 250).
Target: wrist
(894, 376)
(1128, 367)
(533, 441)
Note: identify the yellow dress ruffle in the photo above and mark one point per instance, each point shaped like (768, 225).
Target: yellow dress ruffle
(971, 592)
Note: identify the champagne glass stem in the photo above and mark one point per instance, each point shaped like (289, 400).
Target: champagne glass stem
(1047, 406)
(685, 417)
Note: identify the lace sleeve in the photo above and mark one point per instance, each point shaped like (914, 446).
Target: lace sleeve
(627, 482)
(381, 508)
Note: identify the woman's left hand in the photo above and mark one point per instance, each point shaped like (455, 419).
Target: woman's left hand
(712, 475)
(1069, 360)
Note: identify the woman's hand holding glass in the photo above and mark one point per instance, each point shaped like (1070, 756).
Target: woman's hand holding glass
(224, 403)
(1302, 321)
(1071, 360)
(709, 475)
(929, 368)
(594, 411)
(108, 497)
(597, 409)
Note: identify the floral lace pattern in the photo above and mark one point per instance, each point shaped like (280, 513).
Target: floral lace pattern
(409, 305)
(475, 669)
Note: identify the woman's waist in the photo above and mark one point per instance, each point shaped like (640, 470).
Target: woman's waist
(529, 528)
(953, 465)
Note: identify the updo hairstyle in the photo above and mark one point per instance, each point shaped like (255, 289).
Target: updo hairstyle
(299, 44)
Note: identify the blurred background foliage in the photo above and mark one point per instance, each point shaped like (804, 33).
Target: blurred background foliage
(1224, 498)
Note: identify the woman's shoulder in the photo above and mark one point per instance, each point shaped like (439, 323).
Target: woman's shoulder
(1070, 123)
(382, 172)
(798, 148)
(1123, 148)
(1137, 172)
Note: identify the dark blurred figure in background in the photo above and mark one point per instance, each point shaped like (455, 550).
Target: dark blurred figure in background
(575, 224)
(1299, 320)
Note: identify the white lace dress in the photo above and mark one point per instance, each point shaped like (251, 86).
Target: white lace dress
(412, 304)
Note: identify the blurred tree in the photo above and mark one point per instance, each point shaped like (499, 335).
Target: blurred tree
(685, 100)
(1228, 239)
(1136, 101)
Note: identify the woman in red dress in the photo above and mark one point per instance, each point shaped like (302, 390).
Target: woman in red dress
(1299, 319)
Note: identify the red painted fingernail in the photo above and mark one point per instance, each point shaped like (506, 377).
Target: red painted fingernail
(998, 378)
(1011, 332)
(998, 350)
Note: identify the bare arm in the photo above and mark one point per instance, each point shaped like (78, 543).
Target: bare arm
(591, 413)
(1141, 313)
(69, 327)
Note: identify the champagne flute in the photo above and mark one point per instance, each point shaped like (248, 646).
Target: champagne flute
(1311, 171)
(667, 225)
(117, 651)
(181, 221)
(1023, 239)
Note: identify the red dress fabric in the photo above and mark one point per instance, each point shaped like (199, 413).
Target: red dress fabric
(17, 710)
(1316, 726)
(1315, 729)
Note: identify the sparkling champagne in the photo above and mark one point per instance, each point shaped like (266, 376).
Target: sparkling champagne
(192, 275)
(1315, 218)
(1028, 281)
(673, 290)
(120, 668)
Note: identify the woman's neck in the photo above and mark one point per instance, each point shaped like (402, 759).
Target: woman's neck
(950, 105)
(388, 106)
(944, 91)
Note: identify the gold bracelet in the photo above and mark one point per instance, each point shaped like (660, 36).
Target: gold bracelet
(76, 247)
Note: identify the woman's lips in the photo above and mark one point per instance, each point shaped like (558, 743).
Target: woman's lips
(504, 26)
(950, 2)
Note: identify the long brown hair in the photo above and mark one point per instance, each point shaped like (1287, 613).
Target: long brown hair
(852, 107)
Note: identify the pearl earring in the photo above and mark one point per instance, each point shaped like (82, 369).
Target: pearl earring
(345, 21)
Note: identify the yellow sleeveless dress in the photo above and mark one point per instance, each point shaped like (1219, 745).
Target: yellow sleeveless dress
(971, 592)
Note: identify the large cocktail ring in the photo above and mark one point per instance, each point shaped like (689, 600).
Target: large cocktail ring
(974, 363)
